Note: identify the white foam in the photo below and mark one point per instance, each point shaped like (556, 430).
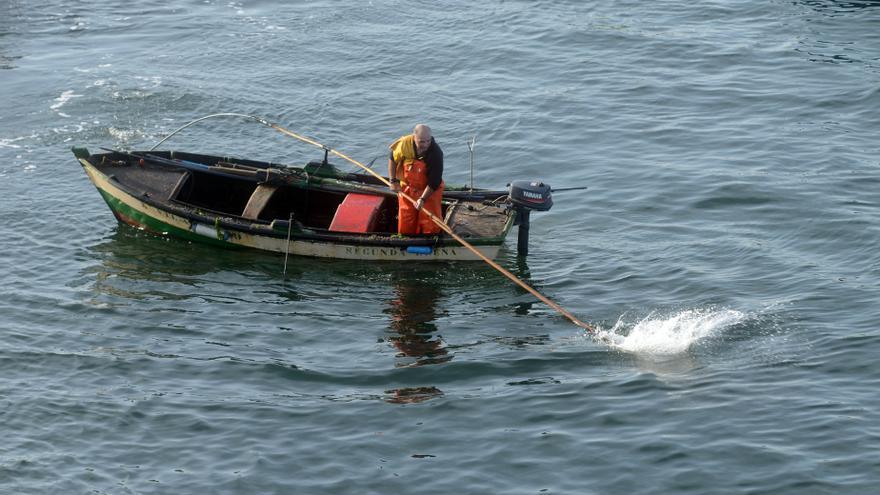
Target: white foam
(121, 134)
(62, 100)
(156, 81)
(7, 143)
(669, 335)
(125, 135)
(70, 129)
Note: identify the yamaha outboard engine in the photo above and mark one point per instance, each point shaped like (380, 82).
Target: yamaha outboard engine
(527, 196)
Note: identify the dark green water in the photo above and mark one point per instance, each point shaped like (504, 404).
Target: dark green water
(726, 246)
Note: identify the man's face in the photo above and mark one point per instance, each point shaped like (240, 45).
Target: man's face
(422, 142)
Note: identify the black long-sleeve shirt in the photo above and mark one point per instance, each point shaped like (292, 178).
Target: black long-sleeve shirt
(433, 158)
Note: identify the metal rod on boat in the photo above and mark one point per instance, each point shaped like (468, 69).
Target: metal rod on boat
(443, 226)
(206, 117)
(287, 247)
(471, 145)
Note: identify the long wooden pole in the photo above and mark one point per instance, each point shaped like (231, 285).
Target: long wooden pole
(445, 228)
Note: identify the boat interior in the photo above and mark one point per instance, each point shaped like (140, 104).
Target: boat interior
(314, 208)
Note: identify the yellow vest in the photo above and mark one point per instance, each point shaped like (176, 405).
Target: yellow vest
(404, 152)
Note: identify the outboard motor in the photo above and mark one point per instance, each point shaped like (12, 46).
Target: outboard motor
(527, 196)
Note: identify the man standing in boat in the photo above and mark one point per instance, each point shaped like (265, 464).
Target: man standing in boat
(415, 167)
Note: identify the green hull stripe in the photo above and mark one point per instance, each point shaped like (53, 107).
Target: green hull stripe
(138, 218)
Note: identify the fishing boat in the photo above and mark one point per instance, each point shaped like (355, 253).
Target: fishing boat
(315, 210)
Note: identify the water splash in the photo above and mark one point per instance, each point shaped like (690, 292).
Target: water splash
(669, 335)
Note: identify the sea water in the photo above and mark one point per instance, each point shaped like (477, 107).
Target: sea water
(725, 246)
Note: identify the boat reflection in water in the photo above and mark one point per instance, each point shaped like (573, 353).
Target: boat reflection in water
(523, 273)
(412, 395)
(413, 312)
(413, 333)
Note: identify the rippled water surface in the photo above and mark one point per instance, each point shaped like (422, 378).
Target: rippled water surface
(726, 249)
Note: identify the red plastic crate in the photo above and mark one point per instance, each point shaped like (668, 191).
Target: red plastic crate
(357, 213)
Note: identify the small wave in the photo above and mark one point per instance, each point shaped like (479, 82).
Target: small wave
(669, 335)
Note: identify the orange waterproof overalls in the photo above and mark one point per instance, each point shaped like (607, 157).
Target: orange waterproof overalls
(413, 181)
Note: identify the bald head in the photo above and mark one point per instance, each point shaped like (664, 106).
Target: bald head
(422, 135)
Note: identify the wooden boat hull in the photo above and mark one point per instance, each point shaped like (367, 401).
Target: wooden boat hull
(161, 218)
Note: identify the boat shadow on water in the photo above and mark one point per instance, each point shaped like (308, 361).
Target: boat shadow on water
(132, 254)
(126, 258)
